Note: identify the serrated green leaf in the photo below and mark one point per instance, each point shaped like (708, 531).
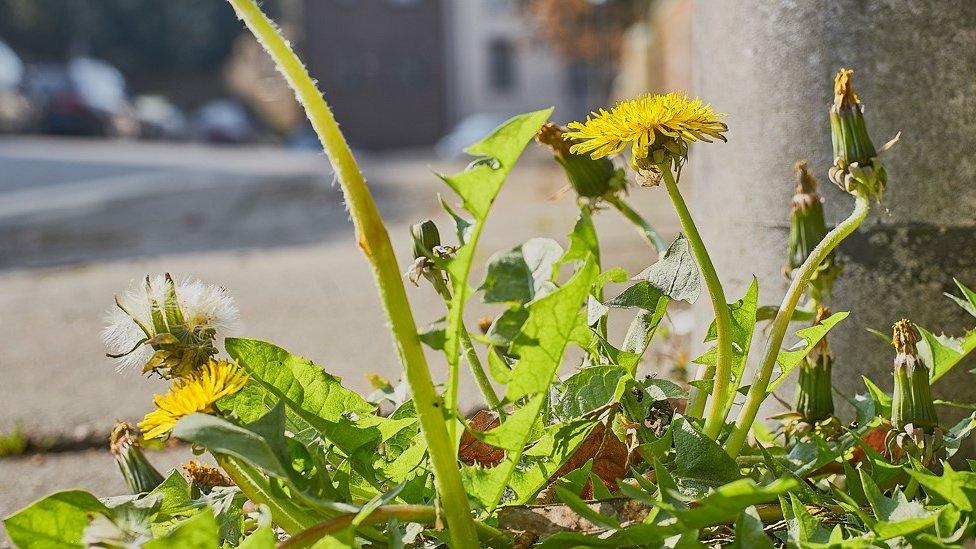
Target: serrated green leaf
(944, 352)
(896, 516)
(522, 273)
(801, 527)
(881, 399)
(956, 487)
(317, 397)
(462, 226)
(676, 274)
(787, 360)
(58, 520)
(968, 299)
(478, 186)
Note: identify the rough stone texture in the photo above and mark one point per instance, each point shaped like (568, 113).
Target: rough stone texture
(770, 66)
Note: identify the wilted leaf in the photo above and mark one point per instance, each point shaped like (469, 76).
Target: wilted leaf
(472, 450)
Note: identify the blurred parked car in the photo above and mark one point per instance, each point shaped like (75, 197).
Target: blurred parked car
(223, 121)
(159, 118)
(466, 132)
(16, 110)
(84, 97)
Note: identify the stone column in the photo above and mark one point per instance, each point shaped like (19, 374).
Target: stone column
(769, 65)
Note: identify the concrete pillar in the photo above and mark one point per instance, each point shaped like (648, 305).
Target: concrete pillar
(770, 66)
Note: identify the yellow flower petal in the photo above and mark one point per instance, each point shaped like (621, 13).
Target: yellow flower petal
(196, 392)
(639, 122)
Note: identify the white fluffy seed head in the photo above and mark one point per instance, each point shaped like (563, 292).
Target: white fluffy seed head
(203, 306)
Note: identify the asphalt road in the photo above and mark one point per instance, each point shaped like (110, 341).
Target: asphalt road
(79, 220)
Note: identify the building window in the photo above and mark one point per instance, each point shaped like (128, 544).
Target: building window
(501, 65)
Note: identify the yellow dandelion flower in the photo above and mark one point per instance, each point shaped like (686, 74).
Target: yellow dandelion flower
(196, 392)
(649, 122)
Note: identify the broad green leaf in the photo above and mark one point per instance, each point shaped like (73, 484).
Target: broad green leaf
(958, 433)
(729, 500)
(642, 295)
(221, 436)
(523, 273)
(701, 462)
(896, 516)
(174, 494)
(310, 392)
(789, 359)
(478, 186)
(749, 531)
(675, 274)
(197, 532)
(58, 520)
(589, 389)
(743, 316)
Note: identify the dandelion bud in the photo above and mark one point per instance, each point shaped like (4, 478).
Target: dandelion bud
(426, 238)
(167, 327)
(139, 474)
(912, 398)
(589, 177)
(856, 162)
(807, 228)
(814, 393)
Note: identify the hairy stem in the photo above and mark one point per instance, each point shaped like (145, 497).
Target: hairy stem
(723, 321)
(375, 243)
(470, 354)
(643, 227)
(757, 393)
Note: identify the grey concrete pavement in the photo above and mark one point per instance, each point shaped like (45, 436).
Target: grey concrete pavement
(265, 224)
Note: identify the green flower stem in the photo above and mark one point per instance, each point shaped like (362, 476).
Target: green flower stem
(757, 393)
(375, 243)
(643, 227)
(723, 321)
(470, 354)
(253, 485)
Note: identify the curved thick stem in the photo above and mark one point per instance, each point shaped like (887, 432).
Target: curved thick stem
(253, 485)
(757, 393)
(723, 320)
(643, 227)
(375, 244)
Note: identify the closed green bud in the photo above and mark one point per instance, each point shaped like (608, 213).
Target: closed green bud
(857, 165)
(912, 402)
(814, 391)
(807, 228)
(426, 238)
(590, 178)
(139, 474)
